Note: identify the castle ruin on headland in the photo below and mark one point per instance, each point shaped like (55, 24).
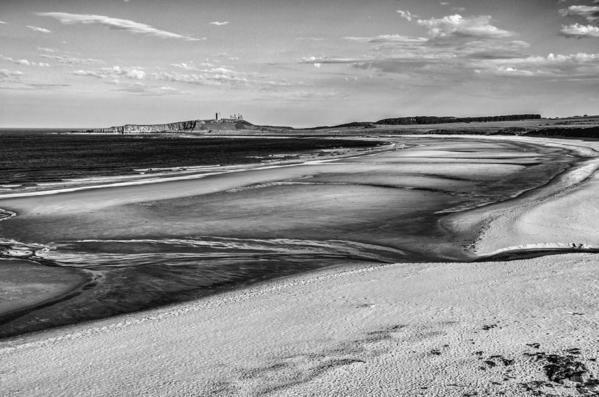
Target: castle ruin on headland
(234, 122)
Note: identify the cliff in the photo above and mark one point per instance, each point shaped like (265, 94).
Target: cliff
(181, 126)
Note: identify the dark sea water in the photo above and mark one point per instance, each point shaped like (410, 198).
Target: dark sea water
(37, 156)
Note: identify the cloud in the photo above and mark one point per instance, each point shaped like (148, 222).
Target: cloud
(393, 46)
(387, 38)
(89, 73)
(69, 60)
(407, 15)
(24, 62)
(219, 76)
(213, 76)
(459, 26)
(218, 23)
(579, 31)
(553, 65)
(38, 29)
(48, 85)
(114, 72)
(2, 23)
(143, 89)
(590, 13)
(46, 49)
(425, 60)
(512, 71)
(190, 65)
(11, 77)
(454, 49)
(333, 60)
(116, 23)
(309, 38)
(5, 73)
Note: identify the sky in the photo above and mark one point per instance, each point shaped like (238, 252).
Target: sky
(89, 63)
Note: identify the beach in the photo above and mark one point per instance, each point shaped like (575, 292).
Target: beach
(407, 292)
(444, 329)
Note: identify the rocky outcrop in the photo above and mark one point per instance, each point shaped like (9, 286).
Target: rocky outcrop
(180, 126)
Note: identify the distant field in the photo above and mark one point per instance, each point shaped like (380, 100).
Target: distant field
(33, 158)
(576, 127)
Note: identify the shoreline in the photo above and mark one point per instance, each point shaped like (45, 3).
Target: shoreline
(178, 173)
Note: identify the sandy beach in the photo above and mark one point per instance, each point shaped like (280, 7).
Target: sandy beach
(449, 329)
(521, 327)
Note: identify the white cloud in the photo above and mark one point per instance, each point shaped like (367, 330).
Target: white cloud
(559, 59)
(552, 65)
(590, 13)
(24, 62)
(407, 15)
(116, 23)
(143, 89)
(4, 73)
(219, 23)
(459, 26)
(136, 74)
(512, 71)
(309, 38)
(578, 30)
(9, 78)
(38, 29)
(387, 38)
(185, 66)
(428, 61)
(46, 49)
(332, 60)
(2, 23)
(212, 76)
(69, 60)
(114, 72)
(216, 76)
(89, 73)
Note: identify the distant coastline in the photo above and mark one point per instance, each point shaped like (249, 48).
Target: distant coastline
(234, 124)
(585, 127)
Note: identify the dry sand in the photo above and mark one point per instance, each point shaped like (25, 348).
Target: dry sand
(396, 330)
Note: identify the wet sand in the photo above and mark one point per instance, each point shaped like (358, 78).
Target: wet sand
(175, 240)
(25, 285)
